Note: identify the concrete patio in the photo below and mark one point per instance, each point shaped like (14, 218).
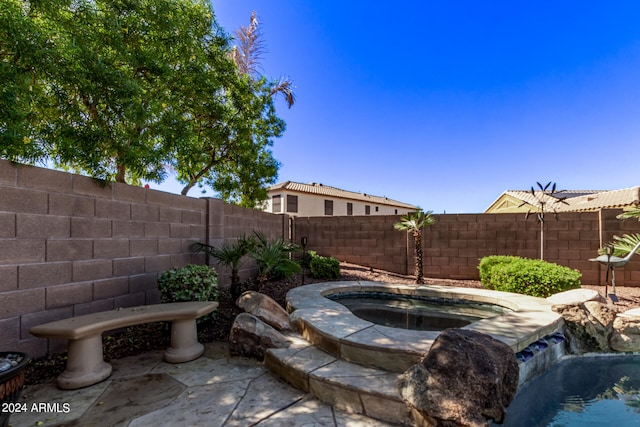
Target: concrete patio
(214, 390)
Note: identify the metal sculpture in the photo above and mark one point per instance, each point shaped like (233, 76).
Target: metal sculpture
(612, 262)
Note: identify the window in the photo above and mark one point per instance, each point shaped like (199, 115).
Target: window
(396, 211)
(367, 210)
(276, 204)
(328, 207)
(292, 203)
(376, 209)
(349, 208)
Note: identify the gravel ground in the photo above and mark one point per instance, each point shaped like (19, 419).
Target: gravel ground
(143, 338)
(628, 297)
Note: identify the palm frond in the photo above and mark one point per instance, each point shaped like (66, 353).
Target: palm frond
(622, 245)
(635, 213)
(248, 54)
(414, 221)
(284, 87)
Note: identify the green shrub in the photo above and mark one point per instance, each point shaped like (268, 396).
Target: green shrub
(306, 258)
(324, 267)
(488, 263)
(527, 276)
(189, 283)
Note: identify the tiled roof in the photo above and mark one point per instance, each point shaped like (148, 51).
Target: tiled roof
(583, 200)
(605, 200)
(529, 198)
(327, 190)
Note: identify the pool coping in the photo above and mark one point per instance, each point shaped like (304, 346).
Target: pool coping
(332, 327)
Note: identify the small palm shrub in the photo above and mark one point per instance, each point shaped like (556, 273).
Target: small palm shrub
(273, 258)
(526, 276)
(189, 283)
(322, 267)
(230, 254)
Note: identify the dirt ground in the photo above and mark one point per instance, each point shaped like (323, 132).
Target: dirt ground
(628, 297)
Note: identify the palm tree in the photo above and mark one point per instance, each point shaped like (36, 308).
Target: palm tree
(247, 55)
(230, 255)
(413, 223)
(273, 258)
(624, 244)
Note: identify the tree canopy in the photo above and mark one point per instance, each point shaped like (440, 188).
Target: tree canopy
(130, 91)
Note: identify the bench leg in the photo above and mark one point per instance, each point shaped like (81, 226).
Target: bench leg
(85, 364)
(184, 342)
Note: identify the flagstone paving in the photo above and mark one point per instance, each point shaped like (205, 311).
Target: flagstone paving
(214, 390)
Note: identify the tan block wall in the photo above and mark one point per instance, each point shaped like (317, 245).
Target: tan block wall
(70, 246)
(366, 240)
(453, 246)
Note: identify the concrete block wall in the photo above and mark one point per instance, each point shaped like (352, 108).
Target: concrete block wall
(366, 240)
(227, 223)
(71, 246)
(453, 246)
(629, 275)
(456, 243)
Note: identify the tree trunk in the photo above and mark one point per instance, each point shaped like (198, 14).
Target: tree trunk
(417, 238)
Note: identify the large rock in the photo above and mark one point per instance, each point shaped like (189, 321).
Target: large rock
(626, 331)
(251, 337)
(589, 325)
(574, 297)
(265, 309)
(465, 379)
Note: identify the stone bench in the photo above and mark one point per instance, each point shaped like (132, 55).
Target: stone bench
(85, 361)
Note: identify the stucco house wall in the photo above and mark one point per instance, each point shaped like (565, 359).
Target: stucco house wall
(308, 200)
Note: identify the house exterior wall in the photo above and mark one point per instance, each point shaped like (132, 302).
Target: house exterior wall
(314, 205)
(70, 246)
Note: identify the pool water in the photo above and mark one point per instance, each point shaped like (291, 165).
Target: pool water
(415, 313)
(581, 392)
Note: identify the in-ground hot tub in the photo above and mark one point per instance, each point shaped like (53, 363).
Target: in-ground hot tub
(519, 321)
(416, 312)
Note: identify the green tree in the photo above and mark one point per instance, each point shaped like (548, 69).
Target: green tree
(24, 50)
(126, 91)
(112, 112)
(413, 223)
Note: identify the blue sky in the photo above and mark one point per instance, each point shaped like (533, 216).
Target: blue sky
(447, 104)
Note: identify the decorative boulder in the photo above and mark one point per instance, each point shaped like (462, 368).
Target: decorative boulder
(265, 309)
(626, 331)
(251, 337)
(466, 379)
(589, 325)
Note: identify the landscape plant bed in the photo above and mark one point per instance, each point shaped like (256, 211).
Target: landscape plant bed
(155, 336)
